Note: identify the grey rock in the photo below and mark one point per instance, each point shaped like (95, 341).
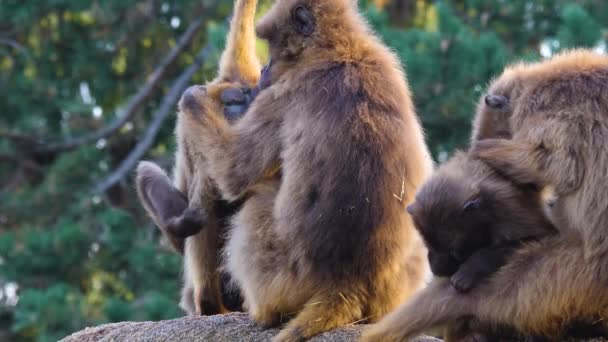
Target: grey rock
(220, 328)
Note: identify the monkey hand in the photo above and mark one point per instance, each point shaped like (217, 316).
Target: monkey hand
(463, 281)
(188, 224)
(236, 102)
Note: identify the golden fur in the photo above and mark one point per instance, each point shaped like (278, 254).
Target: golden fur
(329, 243)
(556, 138)
(202, 293)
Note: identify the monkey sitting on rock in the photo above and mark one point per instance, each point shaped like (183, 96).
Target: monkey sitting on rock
(189, 209)
(554, 138)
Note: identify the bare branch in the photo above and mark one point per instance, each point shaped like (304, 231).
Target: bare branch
(13, 43)
(135, 102)
(161, 114)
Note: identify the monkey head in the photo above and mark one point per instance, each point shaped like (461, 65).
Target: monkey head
(466, 206)
(451, 215)
(305, 30)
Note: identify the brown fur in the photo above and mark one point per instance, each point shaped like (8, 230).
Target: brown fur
(472, 219)
(558, 130)
(202, 292)
(330, 242)
(559, 127)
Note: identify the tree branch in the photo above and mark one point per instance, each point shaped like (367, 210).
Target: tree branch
(135, 102)
(161, 114)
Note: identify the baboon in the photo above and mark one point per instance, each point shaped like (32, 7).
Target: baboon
(472, 219)
(555, 141)
(559, 126)
(328, 242)
(182, 207)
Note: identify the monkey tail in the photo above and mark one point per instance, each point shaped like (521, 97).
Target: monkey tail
(239, 62)
(433, 307)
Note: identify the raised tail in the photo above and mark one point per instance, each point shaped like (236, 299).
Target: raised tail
(239, 62)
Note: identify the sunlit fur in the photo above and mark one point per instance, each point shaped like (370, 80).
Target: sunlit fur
(558, 136)
(330, 243)
(239, 64)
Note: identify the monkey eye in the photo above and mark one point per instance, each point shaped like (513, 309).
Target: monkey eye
(303, 21)
(496, 101)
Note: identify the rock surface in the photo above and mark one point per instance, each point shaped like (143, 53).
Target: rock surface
(226, 328)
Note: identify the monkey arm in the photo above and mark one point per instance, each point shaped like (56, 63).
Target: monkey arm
(241, 154)
(545, 152)
(516, 160)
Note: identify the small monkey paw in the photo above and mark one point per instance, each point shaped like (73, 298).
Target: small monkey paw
(462, 282)
(189, 223)
(236, 102)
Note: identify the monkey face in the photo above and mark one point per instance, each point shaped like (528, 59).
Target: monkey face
(453, 223)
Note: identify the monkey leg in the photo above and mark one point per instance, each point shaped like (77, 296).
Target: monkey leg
(324, 312)
(543, 289)
(272, 279)
(434, 306)
(201, 272)
(254, 254)
(201, 257)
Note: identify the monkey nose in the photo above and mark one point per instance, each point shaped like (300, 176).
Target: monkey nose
(496, 101)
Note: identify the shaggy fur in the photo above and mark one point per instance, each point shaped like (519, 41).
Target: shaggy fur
(329, 243)
(202, 293)
(472, 219)
(557, 129)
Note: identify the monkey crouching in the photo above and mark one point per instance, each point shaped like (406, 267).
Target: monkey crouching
(472, 219)
(554, 140)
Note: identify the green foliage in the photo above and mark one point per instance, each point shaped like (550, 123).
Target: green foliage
(69, 259)
(579, 28)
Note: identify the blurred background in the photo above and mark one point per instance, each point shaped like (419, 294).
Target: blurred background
(88, 88)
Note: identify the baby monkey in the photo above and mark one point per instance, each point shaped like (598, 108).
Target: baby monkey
(472, 219)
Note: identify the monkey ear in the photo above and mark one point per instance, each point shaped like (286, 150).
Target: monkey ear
(471, 205)
(496, 101)
(303, 21)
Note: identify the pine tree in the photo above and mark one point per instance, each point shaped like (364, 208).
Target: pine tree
(71, 257)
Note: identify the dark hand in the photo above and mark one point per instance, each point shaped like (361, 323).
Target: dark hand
(236, 102)
(188, 224)
(463, 281)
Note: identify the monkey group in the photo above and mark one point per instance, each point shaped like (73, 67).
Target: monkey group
(304, 194)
